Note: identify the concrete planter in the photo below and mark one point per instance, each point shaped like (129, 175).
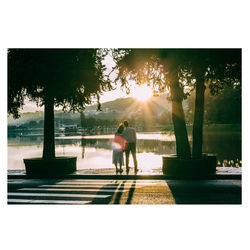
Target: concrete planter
(59, 165)
(206, 165)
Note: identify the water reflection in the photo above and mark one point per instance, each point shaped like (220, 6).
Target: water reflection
(94, 152)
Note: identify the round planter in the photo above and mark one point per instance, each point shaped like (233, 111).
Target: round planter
(206, 165)
(59, 165)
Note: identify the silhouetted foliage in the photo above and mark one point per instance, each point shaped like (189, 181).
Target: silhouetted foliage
(71, 76)
(158, 67)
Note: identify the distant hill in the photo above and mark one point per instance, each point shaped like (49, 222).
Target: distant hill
(117, 104)
(127, 107)
(122, 104)
(117, 109)
(26, 117)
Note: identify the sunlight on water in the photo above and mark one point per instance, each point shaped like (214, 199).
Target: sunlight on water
(95, 152)
(89, 158)
(140, 136)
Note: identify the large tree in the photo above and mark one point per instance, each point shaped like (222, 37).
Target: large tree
(215, 68)
(180, 71)
(69, 78)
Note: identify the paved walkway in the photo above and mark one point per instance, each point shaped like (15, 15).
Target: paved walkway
(82, 191)
(152, 172)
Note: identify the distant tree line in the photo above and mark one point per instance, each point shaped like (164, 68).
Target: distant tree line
(224, 108)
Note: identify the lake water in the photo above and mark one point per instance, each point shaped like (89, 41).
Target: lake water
(95, 152)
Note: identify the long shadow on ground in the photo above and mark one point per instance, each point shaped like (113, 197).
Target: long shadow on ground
(117, 195)
(116, 187)
(131, 192)
(206, 191)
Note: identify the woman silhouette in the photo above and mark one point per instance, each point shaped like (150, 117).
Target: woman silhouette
(118, 147)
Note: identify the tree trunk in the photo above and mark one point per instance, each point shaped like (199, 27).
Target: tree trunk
(49, 133)
(198, 118)
(180, 129)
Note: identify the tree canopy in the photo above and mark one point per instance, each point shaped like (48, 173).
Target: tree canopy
(159, 68)
(71, 76)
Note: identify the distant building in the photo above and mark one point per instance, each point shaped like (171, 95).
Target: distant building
(68, 128)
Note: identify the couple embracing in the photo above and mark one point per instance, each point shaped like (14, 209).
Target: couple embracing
(124, 141)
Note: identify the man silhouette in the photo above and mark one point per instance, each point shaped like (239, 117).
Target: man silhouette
(129, 135)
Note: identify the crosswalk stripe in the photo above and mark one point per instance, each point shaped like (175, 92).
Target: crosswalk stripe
(100, 183)
(107, 181)
(15, 181)
(25, 201)
(88, 183)
(72, 190)
(58, 195)
(77, 186)
(94, 180)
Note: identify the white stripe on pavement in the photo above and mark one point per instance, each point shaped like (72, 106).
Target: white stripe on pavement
(107, 181)
(72, 190)
(15, 181)
(58, 195)
(93, 180)
(25, 201)
(101, 183)
(76, 186)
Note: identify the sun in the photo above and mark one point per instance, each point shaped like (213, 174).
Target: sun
(142, 93)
